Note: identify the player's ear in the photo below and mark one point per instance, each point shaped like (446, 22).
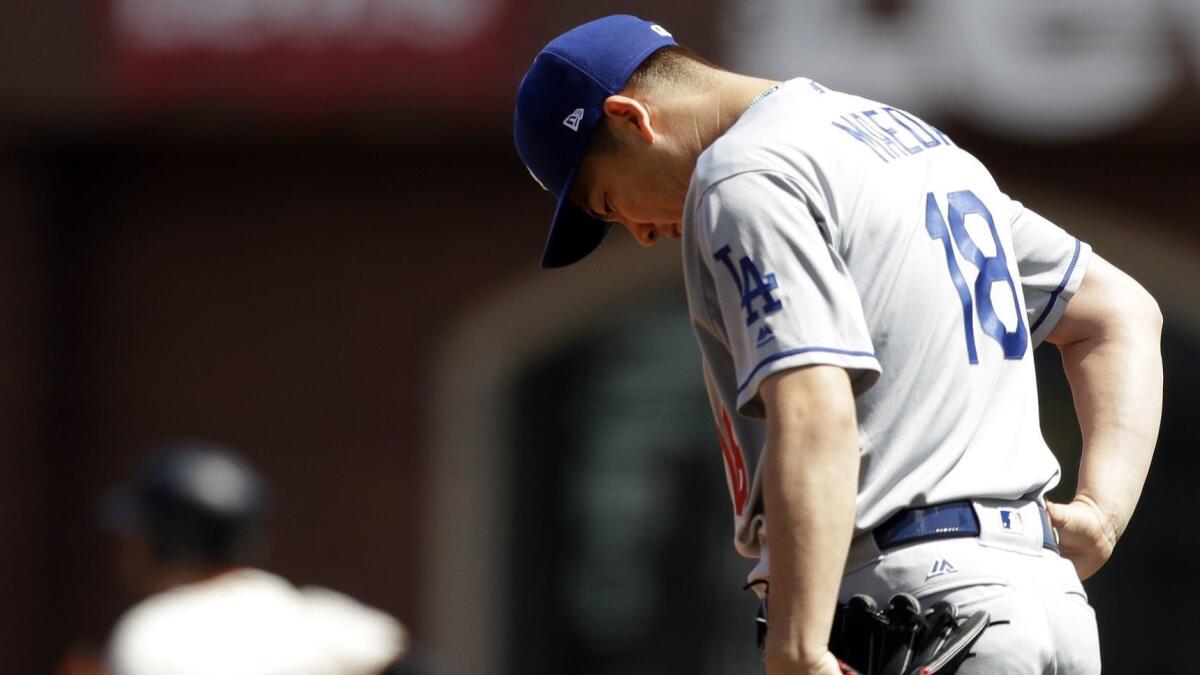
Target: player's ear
(629, 118)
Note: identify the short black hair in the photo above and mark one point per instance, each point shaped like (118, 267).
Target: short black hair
(672, 66)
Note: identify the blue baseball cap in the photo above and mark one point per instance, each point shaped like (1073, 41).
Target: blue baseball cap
(560, 102)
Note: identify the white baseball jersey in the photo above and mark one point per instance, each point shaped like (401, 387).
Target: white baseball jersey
(825, 228)
(250, 622)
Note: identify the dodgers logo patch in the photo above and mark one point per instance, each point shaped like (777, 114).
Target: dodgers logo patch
(752, 284)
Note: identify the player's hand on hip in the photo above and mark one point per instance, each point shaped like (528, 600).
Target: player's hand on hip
(1086, 536)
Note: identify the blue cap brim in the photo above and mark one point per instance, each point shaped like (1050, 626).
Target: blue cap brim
(573, 233)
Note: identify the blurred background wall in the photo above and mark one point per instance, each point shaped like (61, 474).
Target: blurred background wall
(300, 228)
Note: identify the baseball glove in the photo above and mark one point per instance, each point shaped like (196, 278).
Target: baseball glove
(900, 639)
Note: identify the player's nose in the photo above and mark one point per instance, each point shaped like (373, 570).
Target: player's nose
(649, 235)
(643, 232)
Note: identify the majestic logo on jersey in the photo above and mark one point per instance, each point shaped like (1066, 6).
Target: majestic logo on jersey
(735, 464)
(572, 121)
(1011, 521)
(752, 285)
(765, 335)
(660, 30)
(940, 566)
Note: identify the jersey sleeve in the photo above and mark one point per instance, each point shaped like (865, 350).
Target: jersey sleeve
(783, 292)
(1052, 264)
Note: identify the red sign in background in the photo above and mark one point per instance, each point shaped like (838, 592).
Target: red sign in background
(310, 55)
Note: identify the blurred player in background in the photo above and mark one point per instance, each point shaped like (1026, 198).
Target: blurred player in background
(190, 538)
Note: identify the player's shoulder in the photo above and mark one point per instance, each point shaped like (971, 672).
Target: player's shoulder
(212, 624)
(201, 596)
(753, 143)
(167, 625)
(784, 133)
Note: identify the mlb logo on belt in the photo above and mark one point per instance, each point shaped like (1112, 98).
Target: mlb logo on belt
(1011, 521)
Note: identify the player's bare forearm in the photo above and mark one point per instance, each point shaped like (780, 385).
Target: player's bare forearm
(809, 485)
(1109, 337)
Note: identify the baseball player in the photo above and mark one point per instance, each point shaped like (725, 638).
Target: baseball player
(189, 532)
(867, 301)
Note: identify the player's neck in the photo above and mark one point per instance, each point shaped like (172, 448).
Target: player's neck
(733, 96)
(716, 109)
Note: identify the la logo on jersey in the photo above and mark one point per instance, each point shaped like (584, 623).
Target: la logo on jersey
(752, 284)
(572, 121)
(940, 566)
(1011, 521)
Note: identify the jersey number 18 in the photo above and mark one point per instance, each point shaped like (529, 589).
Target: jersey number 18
(992, 270)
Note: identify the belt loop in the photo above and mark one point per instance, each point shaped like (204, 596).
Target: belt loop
(1049, 534)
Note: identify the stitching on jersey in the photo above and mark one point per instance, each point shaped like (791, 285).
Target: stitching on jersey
(793, 352)
(1061, 287)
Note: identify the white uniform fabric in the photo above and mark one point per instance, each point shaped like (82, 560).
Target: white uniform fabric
(251, 622)
(825, 228)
